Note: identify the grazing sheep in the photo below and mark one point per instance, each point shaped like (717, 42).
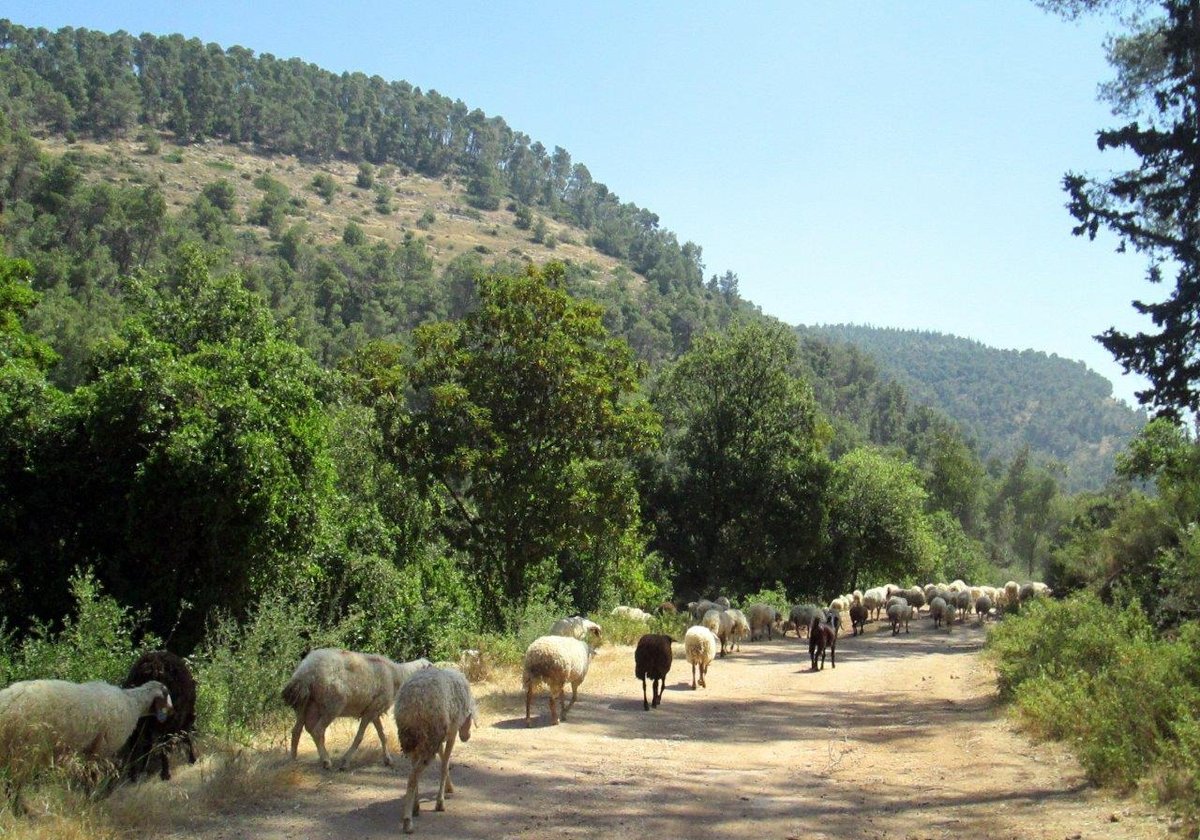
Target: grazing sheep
(723, 602)
(700, 645)
(632, 613)
(789, 625)
(1031, 590)
(951, 611)
(937, 610)
(577, 627)
(763, 619)
(899, 614)
(983, 606)
(802, 615)
(180, 726)
(652, 659)
(556, 661)
(433, 708)
(330, 683)
(44, 719)
(858, 618)
(739, 629)
(721, 625)
(667, 608)
(822, 637)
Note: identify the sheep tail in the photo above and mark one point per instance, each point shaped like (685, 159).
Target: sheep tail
(413, 740)
(295, 693)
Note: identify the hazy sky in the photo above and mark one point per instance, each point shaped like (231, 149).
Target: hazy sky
(897, 164)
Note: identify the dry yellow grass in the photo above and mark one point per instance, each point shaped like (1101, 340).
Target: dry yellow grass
(231, 777)
(457, 229)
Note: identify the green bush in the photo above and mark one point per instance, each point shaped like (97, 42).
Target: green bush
(100, 641)
(1098, 677)
(242, 666)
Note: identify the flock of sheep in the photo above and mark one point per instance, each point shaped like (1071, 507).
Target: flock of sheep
(432, 706)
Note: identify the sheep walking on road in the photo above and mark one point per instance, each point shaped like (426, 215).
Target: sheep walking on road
(652, 659)
(556, 661)
(700, 645)
(433, 708)
(331, 683)
(822, 637)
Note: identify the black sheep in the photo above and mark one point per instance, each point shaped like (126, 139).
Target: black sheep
(652, 659)
(858, 618)
(822, 637)
(150, 735)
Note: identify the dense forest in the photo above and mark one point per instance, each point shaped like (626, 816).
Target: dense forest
(312, 405)
(1006, 399)
(290, 358)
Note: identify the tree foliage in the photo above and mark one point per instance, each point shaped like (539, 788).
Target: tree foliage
(521, 416)
(738, 493)
(1155, 208)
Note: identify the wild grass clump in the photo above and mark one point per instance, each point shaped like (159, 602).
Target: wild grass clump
(1098, 677)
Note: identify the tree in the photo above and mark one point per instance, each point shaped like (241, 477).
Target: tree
(1154, 208)
(738, 486)
(523, 417)
(877, 524)
(190, 468)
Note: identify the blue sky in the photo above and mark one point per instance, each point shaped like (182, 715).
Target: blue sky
(890, 163)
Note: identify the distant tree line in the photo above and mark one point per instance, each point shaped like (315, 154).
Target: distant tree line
(107, 85)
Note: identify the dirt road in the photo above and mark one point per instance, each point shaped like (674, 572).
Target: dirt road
(902, 740)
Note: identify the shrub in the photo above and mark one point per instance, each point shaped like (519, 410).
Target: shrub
(98, 642)
(427, 220)
(241, 666)
(1099, 678)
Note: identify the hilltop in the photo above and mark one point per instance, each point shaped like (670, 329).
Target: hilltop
(1005, 399)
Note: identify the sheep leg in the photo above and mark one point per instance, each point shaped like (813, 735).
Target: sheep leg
(187, 736)
(296, 730)
(362, 727)
(656, 688)
(411, 807)
(387, 756)
(316, 728)
(703, 671)
(528, 702)
(164, 772)
(445, 785)
(645, 702)
(553, 708)
(574, 696)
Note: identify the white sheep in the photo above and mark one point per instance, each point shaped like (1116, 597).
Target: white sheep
(631, 613)
(577, 627)
(700, 646)
(556, 661)
(721, 625)
(47, 718)
(874, 600)
(433, 707)
(764, 619)
(739, 628)
(330, 683)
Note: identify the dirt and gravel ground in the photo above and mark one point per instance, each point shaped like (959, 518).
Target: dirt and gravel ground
(903, 739)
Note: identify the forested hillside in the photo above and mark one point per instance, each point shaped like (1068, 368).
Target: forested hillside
(1006, 399)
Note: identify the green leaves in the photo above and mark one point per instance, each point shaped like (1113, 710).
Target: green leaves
(521, 417)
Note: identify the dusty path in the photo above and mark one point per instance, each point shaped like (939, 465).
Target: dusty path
(902, 740)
